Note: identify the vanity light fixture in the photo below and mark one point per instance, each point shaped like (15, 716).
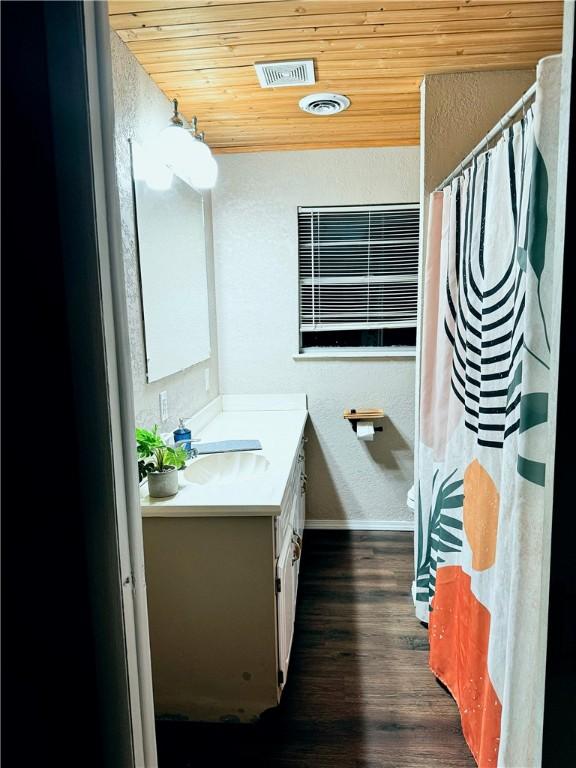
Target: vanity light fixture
(186, 153)
(149, 168)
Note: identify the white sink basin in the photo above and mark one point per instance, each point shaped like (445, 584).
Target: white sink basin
(226, 468)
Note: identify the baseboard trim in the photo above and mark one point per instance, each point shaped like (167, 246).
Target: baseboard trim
(360, 525)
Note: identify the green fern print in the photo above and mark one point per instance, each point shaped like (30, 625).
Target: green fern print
(443, 535)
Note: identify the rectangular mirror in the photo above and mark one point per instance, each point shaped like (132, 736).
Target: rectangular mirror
(172, 256)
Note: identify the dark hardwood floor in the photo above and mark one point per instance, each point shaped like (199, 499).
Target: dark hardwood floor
(359, 692)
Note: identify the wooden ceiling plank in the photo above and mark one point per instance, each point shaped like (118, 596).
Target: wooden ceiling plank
(498, 43)
(217, 112)
(385, 139)
(260, 97)
(310, 124)
(204, 110)
(395, 140)
(429, 14)
(344, 46)
(305, 121)
(137, 6)
(298, 8)
(391, 85)
(142, 48)
(350, 143)
(339, 72)
(227, 119)
(223, 112)
(374, 88)
(116, 7)
(377, 125)
(325, 125)
(359, 101)
(377, 61)
(286, 137)
(367, 101)
(285, 8)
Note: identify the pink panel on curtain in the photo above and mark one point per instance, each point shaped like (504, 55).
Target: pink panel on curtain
(440, 410)
(430, 338)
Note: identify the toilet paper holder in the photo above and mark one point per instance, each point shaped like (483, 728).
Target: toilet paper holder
(354, 415)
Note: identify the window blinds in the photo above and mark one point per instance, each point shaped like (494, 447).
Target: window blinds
(358, 267)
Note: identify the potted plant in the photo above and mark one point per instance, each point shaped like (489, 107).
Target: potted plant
(158, 462)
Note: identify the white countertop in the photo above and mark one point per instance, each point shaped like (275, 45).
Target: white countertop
(279, 432)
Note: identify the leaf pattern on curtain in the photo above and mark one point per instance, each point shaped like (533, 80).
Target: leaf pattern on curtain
(488, 308)
(444, 533)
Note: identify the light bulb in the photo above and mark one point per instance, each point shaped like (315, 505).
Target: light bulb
(206, 174)
(158, 176)
(188, 157)
(197, 167)
(173, 145)
(203, 168)
(149, 169)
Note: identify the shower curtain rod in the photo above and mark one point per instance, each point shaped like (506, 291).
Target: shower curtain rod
(507, 118)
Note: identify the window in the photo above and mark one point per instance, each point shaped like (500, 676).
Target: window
(358, 274)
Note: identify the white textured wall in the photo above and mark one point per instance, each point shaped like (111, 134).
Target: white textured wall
(141, 111)
(458, 111)
(255, 242)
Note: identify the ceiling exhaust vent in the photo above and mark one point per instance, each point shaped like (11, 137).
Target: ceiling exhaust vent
(276, 74)
(324, 103)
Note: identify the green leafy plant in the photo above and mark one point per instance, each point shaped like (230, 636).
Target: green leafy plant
(154, 455)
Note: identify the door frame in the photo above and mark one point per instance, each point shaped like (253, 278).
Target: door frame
(121, 399)
(82, 120)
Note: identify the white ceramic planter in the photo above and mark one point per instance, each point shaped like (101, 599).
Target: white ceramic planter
(163, 484)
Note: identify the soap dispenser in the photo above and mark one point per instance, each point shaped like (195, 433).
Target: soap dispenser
(183, 436)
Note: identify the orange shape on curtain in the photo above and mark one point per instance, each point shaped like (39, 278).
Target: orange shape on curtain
(481, 508)
(459, 630)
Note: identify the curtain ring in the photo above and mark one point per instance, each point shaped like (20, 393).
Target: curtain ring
(523, 105)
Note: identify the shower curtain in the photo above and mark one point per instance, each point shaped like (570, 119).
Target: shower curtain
(482, 532)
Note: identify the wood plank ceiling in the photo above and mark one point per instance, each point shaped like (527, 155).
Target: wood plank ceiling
(376, 53)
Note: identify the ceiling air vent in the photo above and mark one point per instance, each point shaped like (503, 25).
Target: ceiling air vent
(275, 74)
(324, 103)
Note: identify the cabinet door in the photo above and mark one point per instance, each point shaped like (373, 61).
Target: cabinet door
(286, 602)
(285, 521)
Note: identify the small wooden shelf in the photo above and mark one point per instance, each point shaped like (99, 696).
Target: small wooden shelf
(363, 414)
(354, 415)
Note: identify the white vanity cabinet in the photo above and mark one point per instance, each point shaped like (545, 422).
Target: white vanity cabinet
(289, 538)
(222, 601)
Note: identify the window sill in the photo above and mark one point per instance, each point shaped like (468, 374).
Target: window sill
(358, 353)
